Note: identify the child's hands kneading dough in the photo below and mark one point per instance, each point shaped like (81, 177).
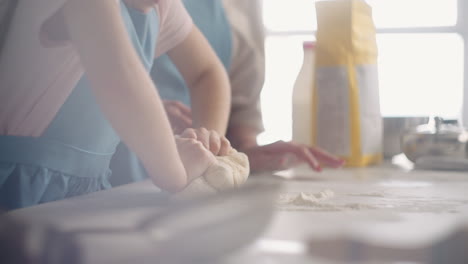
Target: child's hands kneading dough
(222, 168)
(218, 145)
(194, 156)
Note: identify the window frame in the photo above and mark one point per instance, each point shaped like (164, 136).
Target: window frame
(461, 28)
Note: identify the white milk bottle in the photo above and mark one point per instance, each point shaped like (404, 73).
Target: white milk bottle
(302, 97)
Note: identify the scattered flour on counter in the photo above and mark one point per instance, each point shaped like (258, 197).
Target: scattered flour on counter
(305, 199)
(327, 201)
(372, 194)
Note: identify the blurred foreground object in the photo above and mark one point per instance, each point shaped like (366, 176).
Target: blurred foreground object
(29, 243)
(346, 119)
(199, 230)
(451, 248)
(7, 9)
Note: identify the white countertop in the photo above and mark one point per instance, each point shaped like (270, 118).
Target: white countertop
(387, 204)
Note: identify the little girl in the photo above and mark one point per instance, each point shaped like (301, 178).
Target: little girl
(74, 82)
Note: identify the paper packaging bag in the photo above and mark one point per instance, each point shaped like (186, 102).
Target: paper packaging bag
(346, 111)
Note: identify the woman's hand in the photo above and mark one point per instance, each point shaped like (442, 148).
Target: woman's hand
(211, 140)
(195, 157)
(180, 116)
(284, 155)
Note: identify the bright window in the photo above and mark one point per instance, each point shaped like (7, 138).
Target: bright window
(299, 15)
(421, 74)
(296, 15)
(414, 13)
(420, 68)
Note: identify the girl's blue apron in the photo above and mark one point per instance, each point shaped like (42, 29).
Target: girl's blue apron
(211, 19)
(72, 157)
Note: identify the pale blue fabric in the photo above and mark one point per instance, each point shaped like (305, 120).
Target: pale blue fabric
(211, 19)
(72, 156)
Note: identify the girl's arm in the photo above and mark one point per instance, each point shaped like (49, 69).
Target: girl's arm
(123, 89)
(207, 80)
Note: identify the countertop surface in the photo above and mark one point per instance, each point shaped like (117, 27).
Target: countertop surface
(387, 204)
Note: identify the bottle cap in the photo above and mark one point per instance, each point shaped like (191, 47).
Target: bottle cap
(308, 44)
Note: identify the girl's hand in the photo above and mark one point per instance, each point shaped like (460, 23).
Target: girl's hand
(195, 157)
(211, 140)
(180, 116)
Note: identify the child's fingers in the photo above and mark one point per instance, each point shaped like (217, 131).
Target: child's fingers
(214, 141)
(211, 140)
(195, 157)
(189, 133)
(200, 134)
(225, 147)
(203, 135)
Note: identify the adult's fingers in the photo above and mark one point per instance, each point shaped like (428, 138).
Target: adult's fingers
(185, 110)
(259, 162)
(286, 161)
(182, 121)
(327, 158)
(181, 127)
(278, 146)
(314, 152)
(179, 124)
(301, 151)
(307, 156)
(179, 115)
(270, 162)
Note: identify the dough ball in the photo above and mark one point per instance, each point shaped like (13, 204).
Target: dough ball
(229, 172)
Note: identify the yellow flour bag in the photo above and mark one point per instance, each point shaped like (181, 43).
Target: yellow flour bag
(346, 117)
